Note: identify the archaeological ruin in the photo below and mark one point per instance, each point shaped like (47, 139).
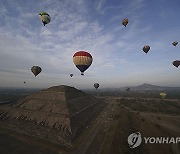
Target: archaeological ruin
(58, 114)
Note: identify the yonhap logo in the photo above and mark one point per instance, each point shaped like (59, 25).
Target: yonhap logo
(134, 139)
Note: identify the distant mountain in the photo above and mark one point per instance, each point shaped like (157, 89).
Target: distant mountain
(143, 87)
(150, 87)
(147, 86)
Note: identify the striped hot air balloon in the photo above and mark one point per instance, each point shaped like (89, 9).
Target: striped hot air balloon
(82, 60)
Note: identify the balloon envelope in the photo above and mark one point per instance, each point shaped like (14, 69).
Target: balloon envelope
(127, 89)
(176, 63)
(146, 48)
(82, 60)
(96, 85)
(163, 95)
(175, 43)
(44, 17)
(71, 75)
(125, 22)
(36, 70)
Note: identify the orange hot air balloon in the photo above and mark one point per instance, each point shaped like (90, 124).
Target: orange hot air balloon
(125, 22)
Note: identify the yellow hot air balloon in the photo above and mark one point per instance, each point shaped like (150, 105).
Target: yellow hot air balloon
(163, 95)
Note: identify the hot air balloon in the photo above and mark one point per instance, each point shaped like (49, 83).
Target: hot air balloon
(163, 95)
(24, 82)
(176, 63)
(96, 85)
(36, 70)
(125, 22)
(71, 75)
(146, 48)
(82, 60)
(127, 89)
(45, 18)
(175, 43)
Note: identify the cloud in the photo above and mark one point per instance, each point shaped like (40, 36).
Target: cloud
(7, 70)
(99, 6)
(3, 9)
(77, 25)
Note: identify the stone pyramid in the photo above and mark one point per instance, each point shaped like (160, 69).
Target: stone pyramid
(59, 113)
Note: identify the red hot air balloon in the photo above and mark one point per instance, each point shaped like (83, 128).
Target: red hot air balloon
(82, 60)
(176, 63)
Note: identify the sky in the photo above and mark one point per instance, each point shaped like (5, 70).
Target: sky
(94, 26)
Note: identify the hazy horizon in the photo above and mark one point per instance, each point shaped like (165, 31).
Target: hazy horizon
(89, 88)
(118, 59)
